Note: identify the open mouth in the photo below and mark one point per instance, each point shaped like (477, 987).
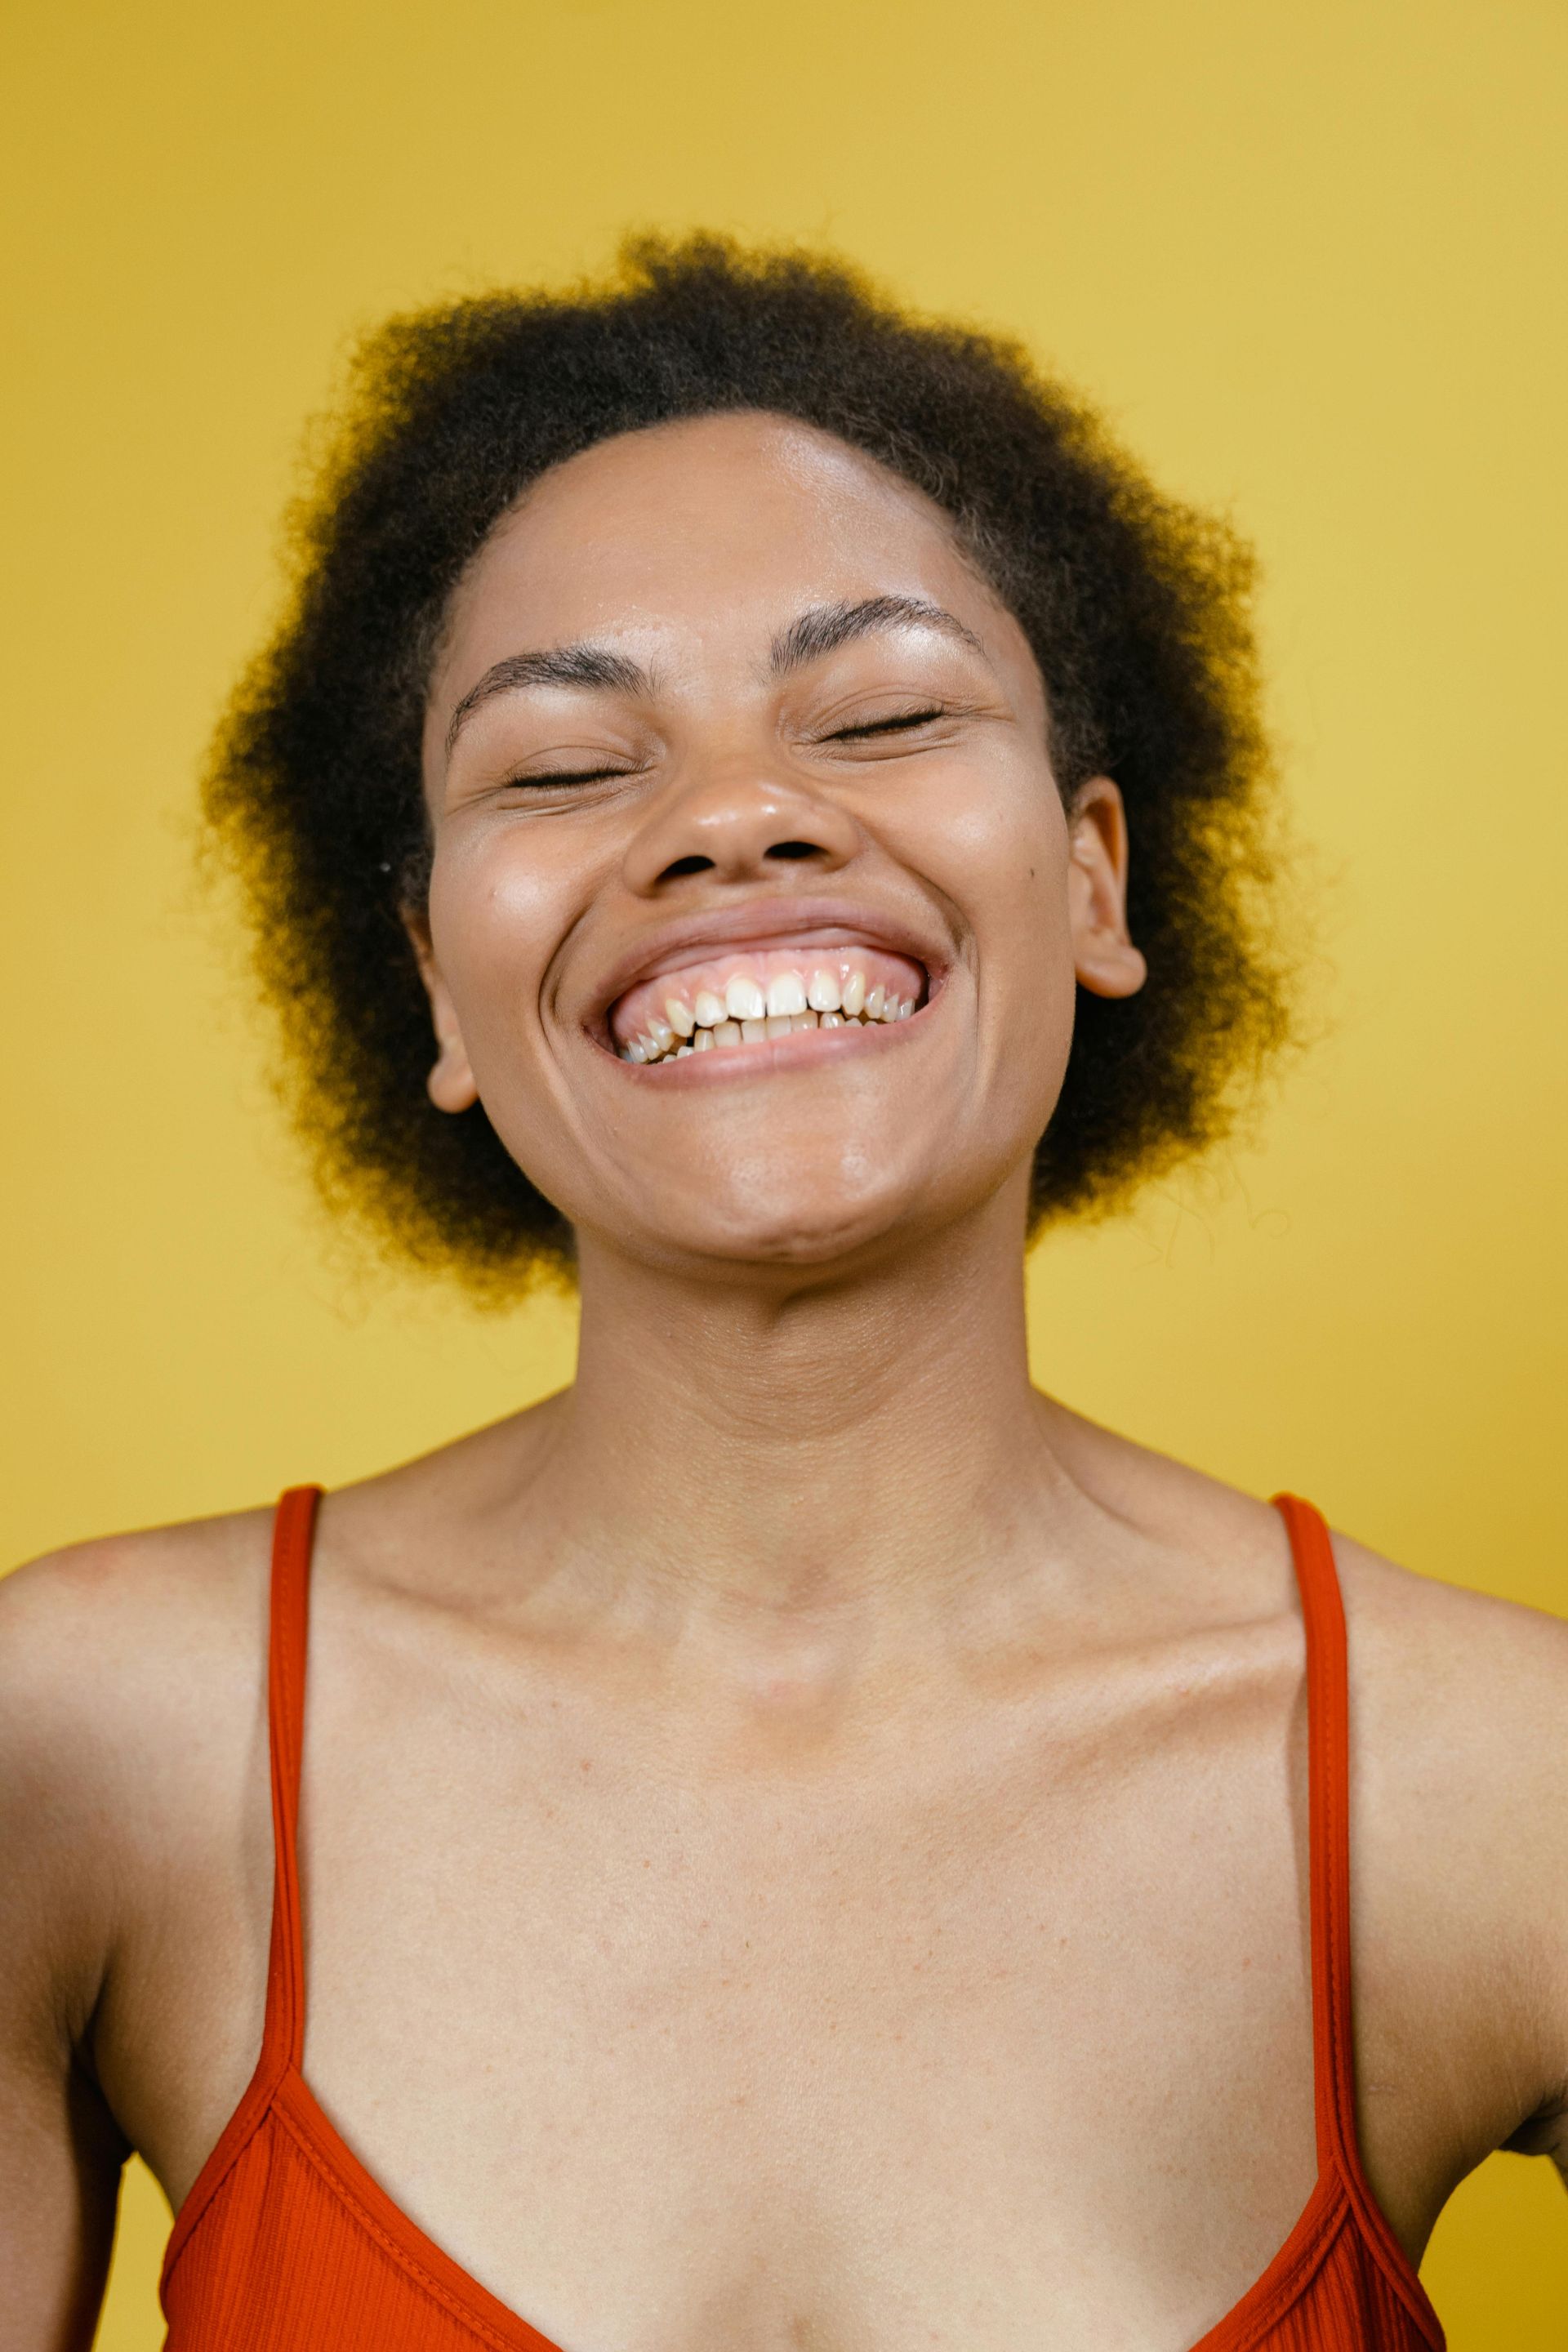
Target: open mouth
(740, 1001)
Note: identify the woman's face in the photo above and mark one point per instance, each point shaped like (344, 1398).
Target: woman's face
(755, 918)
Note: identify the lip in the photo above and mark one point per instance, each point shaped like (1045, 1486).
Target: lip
(808, 922)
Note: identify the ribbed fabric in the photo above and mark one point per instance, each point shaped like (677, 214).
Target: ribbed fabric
(287, 2244)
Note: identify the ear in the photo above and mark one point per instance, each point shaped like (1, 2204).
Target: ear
(1107, 962)
(450, 1083)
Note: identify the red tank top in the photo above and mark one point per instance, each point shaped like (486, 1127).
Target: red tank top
(286, 2244)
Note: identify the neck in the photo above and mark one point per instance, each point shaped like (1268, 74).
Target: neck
(804, 1446)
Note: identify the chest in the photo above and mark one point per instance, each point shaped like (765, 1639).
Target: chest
(945, 2048)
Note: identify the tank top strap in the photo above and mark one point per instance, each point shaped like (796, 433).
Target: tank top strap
(1328, 1814)
(293, 1531)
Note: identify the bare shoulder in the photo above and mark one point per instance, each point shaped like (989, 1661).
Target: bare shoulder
(1458, 1708)
(105, 1636)
(128, 1680)
(1459, 1731)
(1467, 1693)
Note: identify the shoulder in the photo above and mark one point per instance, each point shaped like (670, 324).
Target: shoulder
(130, 1674)
(100, 1639)
(1459, 1724)
(1462, 1691)
(1460, 1732)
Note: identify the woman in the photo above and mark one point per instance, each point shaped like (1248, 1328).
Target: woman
(805, 1841)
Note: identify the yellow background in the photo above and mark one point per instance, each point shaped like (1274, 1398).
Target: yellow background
(1308, 253)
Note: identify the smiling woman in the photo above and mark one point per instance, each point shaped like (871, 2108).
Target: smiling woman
(800, 1840)
(1132, 610)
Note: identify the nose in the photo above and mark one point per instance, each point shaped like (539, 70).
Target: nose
(740, 826)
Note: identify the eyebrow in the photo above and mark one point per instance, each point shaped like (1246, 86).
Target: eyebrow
(826, 627)
(820, 631)
(587, 665)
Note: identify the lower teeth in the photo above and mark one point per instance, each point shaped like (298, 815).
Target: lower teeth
(725, 1035)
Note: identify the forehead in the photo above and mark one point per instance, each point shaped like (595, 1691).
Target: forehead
(715, 530)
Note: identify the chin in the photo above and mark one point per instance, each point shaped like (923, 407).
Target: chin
(749, 1229)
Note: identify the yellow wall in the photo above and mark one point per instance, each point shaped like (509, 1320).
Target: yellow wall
(1311, 255)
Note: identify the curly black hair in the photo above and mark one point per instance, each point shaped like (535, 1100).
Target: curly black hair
(1135, 606)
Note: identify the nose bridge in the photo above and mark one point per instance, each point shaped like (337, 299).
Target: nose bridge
(735, 811)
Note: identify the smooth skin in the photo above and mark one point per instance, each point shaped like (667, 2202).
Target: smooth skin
(803, 1835)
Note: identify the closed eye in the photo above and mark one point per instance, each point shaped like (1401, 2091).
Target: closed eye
(544, 776)
(901, 720)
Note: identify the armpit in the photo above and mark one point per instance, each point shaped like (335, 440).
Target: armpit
(1545, 2133)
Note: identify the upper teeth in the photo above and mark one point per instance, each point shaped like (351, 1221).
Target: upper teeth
(746, 1014)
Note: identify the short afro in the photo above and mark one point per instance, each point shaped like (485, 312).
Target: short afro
(1136, 608)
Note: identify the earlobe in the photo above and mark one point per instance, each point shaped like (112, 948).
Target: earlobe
(450, 1085)
(1106, 961)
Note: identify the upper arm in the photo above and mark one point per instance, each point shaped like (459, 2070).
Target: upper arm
(1528, 1692)
(1544, 1881)
(60, 2157)
(60, 2151)
(1459, 1724)
(133, 1861)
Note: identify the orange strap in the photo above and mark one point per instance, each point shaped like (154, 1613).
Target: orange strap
(1328, 1813)
(283, 2041)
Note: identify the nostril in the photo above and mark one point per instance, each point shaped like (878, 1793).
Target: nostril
(795, 849)
(686, 865)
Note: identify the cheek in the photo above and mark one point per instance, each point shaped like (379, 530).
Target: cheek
(1002, 857)
(498, 910)
(496, 913)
